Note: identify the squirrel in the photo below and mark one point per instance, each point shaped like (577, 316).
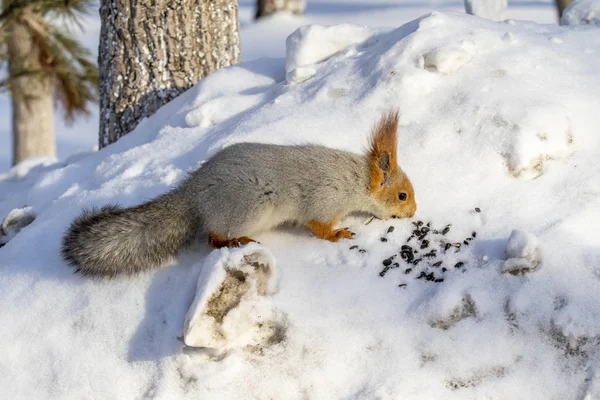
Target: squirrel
(244, 189)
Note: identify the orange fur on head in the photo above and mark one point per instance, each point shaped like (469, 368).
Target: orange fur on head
(388, 181)
(383, 162)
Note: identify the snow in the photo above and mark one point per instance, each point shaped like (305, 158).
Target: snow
(312, 44)
(230, 309)
(490, 9)
(498, 133)
(582, 12)
(12, 224)
(523, 252)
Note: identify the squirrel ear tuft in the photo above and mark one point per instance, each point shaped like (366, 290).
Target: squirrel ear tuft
(383, 148)
(384, 137)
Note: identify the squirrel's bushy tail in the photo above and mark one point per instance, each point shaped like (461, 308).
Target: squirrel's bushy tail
(112, 240)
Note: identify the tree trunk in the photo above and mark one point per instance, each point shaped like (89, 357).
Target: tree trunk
(32, 97)
(268, 7)
(153, 50)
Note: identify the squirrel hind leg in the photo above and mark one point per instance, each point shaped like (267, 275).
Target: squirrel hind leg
(325, 230)
(217, 241)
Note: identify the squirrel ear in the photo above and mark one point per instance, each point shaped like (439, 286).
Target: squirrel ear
(383, 163)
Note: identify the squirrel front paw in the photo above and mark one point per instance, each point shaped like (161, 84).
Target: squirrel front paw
(343, 233)
(325, 231)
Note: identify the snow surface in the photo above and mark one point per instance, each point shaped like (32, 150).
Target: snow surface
(504, 138)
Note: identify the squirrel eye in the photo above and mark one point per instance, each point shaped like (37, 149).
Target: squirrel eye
(402, 196)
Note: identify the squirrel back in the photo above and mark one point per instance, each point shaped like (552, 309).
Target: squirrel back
(242, 190)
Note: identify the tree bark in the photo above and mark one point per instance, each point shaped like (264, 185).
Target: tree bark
(268, 7)
(32, 97)
(153, 50)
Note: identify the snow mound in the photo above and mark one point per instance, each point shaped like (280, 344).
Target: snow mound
(229, 309)
(312, 44)
(490, 9)
(523, 253)
(582, 12)
(446, 60)
(499, 133)
(16, 220)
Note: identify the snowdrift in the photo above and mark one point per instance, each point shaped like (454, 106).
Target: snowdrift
(499, 135)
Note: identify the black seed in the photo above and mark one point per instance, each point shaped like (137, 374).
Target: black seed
(459, 264)
(410, 237)
(415, 251)
(431, 254)
(384, 271)
(402, 285)
(406, 255)
(383, 239)
(415, 224)
(437, 264)
(353, 247)
(419, 223)
(424, 230)
(477, 209)
(439, 280)
(395, 217)
(362, 251)
(390, 229)
(446, 229)
(469, 239)
(435, 231)
(430, 276)
(387, 261)
(407, 271)
(422, 275)
(406, 247)
(424, 244)
(474, 234)
(465, 242)
(417, 261)
(395, 265)
(428, 224)
(447, 246)
(444, 269)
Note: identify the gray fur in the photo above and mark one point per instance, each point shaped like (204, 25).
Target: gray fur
(244, 189)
